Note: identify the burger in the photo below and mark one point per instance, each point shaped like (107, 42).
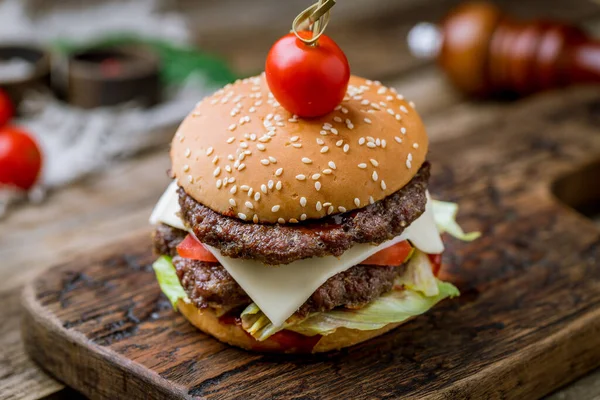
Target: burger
(285, 234)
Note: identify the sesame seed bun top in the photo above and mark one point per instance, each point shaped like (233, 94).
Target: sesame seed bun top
(243, 155)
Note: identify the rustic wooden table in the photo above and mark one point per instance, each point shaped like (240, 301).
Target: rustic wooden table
(107, 207)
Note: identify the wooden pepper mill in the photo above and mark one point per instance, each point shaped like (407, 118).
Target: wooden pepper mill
(485, 52)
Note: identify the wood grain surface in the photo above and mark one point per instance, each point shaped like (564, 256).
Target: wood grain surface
(528, 320)
(75, 221)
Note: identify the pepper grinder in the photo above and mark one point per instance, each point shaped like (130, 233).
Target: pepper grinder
(485, 52)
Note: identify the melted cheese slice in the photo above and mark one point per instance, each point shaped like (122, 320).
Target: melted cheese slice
(280, 290)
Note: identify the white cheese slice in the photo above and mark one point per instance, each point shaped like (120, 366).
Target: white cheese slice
(280, 290)
(167, 209)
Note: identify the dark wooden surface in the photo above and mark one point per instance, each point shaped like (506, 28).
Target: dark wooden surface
(528, 320)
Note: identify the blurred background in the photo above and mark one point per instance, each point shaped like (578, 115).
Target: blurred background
(100, 86)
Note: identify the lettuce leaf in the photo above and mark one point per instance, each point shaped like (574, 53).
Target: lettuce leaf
(168, 280)
(418, 275)
(444, 214)
(396, 306)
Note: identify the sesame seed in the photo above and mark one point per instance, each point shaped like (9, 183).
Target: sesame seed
(264, 138)
(245, 188)
(331, 165)
(374, 176)
(241, 167)
(338, 107)
(275, 208)
(371, 111)
(215, 160)
(370, 139)
(398, 117)
(374, 162)
(251, 109)
(371, 145)
(375, 106)
(257, 196)
(362, 165)
(228, 168)
(217, 171)
(346, 147)
(325, 149)
(306, 160)
(357, 202)
(330, 210)
(302, 217)
(316, 176)
(361, 141)
(318, 186)
(390, 111)
(320, 142)
(297, 145)
(241, 156)
(383, 104)
(188, 152)
(232, 202)
(260, 147)
(181, 137)
(344, 110)
(403, 109)
(397, 139)
(270, 184)
(415, 145)
(232, 127)
(233, 189)
(378, 142)
(249, 205)
(281, 221)
(294, 139)
(292, 120)
(209, 151)
(250, 192)
(327, 171)
(247, 152)
(244, 145)
(319, 207)
(219, 183)
(371, 200)
(242, 216)
(342, 209)
(255, 219)
(337, 119)
(323, 132)
(334, 131)
(273, 159)
(263, 188)
(365, 102)
(264, 161)
(381, 90)
(367, 120)
(339, 143)
(190, 179)
(230, 157)
(293, 221)
(231, 179)
(383, 143)
(231, 140)
(303, 201)
(409, 157)
(278, 185)
(186, 168)
(383, 185)
(412, 104)
(279, 171)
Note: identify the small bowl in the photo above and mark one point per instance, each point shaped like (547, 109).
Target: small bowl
(106, 76)
(23, 68)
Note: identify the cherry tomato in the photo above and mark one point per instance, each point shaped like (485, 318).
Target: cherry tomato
(309, 81)
(20, 158)
(7, 111)
(393, 255)
(193, 249)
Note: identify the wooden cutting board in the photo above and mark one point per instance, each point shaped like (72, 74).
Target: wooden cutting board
(528, 320)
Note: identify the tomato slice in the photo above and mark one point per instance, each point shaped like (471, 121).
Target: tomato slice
(393, 255)
(436, 263)
(194, 250)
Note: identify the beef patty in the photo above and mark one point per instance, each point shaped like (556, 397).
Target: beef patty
(210, 285)
(283, 244)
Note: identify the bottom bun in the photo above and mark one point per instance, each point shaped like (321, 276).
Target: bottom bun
(232, 333)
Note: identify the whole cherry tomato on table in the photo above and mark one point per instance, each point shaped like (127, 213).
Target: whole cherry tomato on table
(20, 158)
(307, 80)
(7, 111)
